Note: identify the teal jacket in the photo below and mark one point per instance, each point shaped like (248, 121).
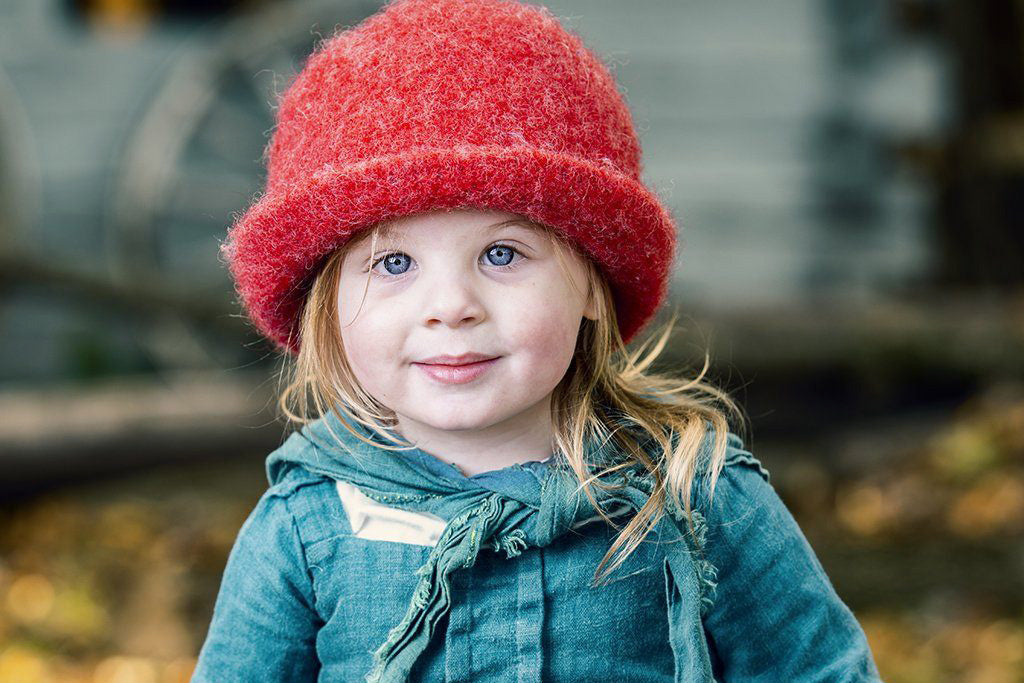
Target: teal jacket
(504, 594)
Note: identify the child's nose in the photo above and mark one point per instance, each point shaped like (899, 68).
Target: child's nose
(452, 301)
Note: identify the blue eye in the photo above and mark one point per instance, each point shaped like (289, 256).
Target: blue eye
(397, 263)
(505, 253)
(394, 259)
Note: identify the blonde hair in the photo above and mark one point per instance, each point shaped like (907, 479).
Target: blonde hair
(605, 395)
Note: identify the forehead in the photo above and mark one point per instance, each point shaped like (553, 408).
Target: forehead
(460, 223)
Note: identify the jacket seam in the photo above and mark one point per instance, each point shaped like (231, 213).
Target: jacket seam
(302, 549)
(745, 458)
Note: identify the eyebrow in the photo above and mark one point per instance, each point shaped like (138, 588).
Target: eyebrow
(518, 223)
(513, 223)
(390, 235)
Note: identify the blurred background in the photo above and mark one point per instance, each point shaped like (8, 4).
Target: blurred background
(848, 176)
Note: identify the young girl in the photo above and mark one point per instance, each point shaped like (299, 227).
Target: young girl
(456, 245)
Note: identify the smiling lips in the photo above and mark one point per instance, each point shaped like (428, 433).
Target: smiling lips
(457, 369)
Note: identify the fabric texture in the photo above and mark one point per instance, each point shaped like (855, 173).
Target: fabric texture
(443, 104)
(303, 599)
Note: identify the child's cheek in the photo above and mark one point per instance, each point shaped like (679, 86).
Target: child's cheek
(548, 336)
(368, 349)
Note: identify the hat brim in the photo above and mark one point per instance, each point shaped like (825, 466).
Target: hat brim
(275, 247)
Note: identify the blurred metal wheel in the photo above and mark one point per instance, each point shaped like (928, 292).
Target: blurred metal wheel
(195, 160)
(20, 181)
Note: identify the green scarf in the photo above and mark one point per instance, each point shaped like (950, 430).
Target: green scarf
(529, 505)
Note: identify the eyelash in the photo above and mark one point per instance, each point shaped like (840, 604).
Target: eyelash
(508, 268)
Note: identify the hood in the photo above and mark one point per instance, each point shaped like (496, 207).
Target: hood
(326, 448)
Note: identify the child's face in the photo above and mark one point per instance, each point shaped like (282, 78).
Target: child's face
(451, 285)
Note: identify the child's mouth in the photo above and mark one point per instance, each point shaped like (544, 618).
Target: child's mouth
(456, 374)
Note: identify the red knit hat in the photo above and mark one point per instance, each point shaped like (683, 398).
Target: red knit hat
(436, 104)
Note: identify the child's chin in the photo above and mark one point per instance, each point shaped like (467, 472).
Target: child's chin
(456, 418)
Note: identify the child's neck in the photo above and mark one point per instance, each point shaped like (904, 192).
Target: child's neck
(522, 438)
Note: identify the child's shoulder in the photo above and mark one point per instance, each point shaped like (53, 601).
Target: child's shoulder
(295, 481)
(736, 454)
(742, 478)
(302, 499)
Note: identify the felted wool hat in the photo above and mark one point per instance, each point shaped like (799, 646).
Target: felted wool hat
(442, 104)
